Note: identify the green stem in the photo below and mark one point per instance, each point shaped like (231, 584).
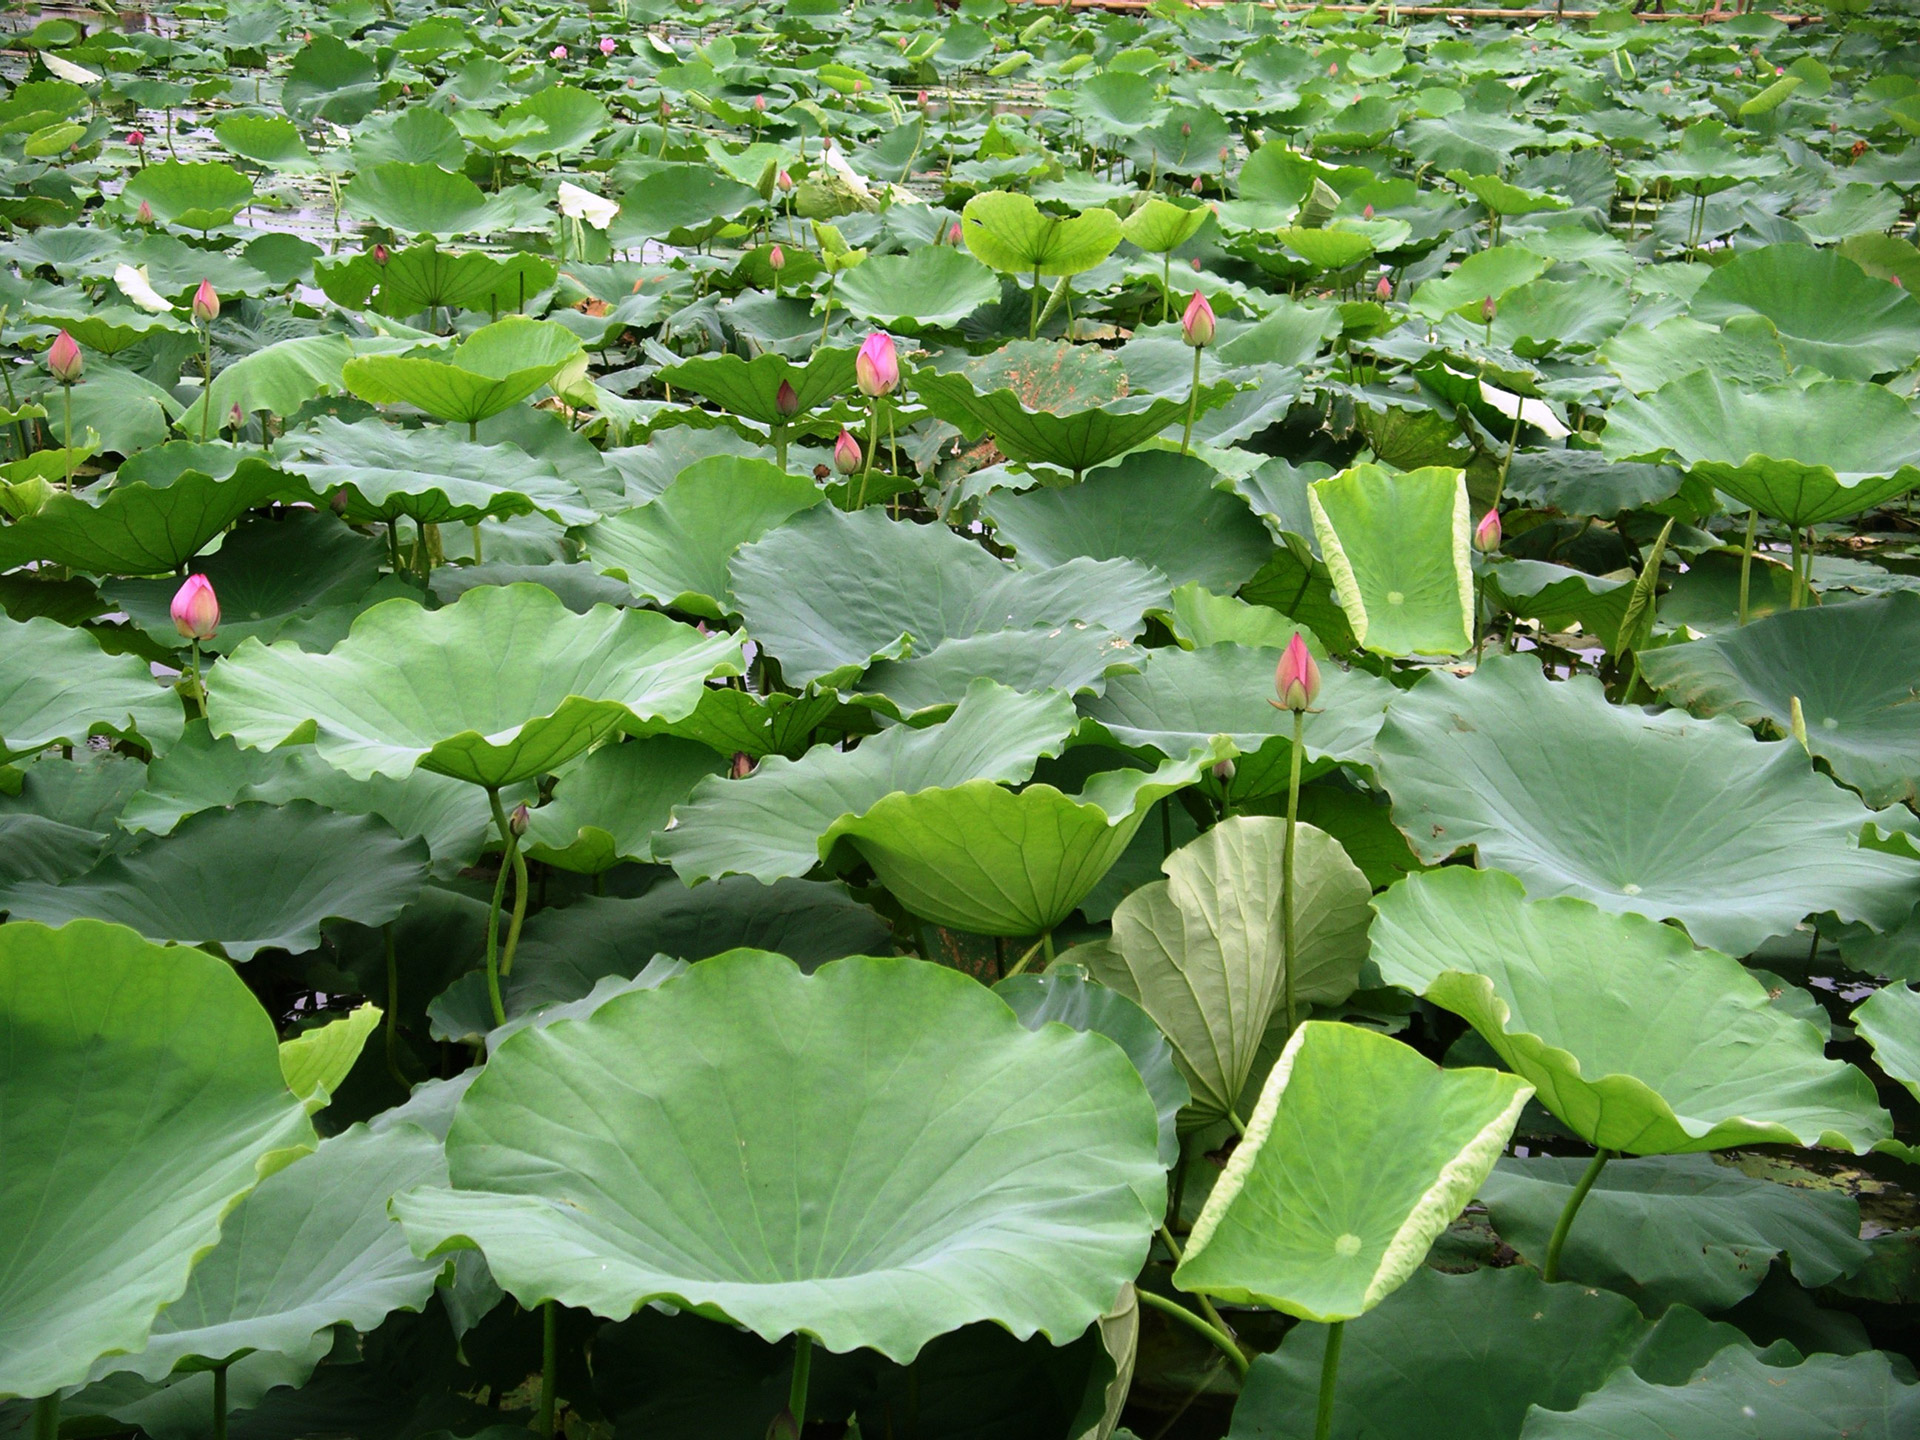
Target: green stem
(827, 319)
(474, 530)
(393, 1009)
(873, 440)
(1551, 1270)
(1204, 1302)
(780, 446)
(549, 1363)
(519, 862)
(1021, 965)
(1046, 947)
(1219, 1339)
(1746, 560)
(802, 1368)
(46, 1417)
(1793, 595)
(206, 394)
(1286, 866)
(1166, 287)
(219, 1402)
(199, 680)
(493, 924)
(1329, 1372)
(66, 393)
(1193, 403)
(1513, 443)
(1033, 315)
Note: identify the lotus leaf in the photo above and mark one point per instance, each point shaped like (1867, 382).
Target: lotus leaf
(317, 1062)
(1829, 312)
(419, 199)
(1013, 235)
(1398, 547)
(501, 686)
(751, 388)
(1889, 1021)
(1633, 1038)
(57, 687)
(615, 803)
(606, 1205)
(931, 288)
(493, 369)
(195, 195)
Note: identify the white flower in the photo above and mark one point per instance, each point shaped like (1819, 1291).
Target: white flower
(838, 164)
(134, 285)
(578, 204)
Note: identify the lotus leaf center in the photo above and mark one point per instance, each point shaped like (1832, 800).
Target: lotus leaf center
(1347, 1246)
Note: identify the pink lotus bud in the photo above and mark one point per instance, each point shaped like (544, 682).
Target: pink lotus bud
(1333, 68)
(136, 138)
(518, 821)
(206, 303)
(1196, 325)
(666, 110)
(787, 401)
(846, 454)
(1195, 187)
(144, 214)
(784, 182)
(1488, 310)
(1186, 130)
(1384, 290)
(1738, 71)
(1367, 214)
(1195, 263)
(1296, 679)
(196, 609)
(1486, 535)
(877, 367)
(776, 259)
(953, 234)
(559, 52)
(236, 417)
(339, 502)
(921, 100)
(759, 104)
(380, 254)
(608, 45)
(1226, 154)
(1666, 89)
(63, 359)
(783, 1427)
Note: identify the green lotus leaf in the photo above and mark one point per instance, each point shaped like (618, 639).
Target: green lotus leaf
(57, 687)
(1889, 1021)
(329, 80)
(981, 858)
(1360, 1152)
(1746, 350)
(1847, 665)
(1830, 313)
(1326, 248)
(1204, 953)
(674, 550)
(1676, 1229)
(1804, 456)
(1075, 658)
(423, 200)
(246, 879)
(1502, 197)
(738, 722)
(1399, 547)
(1117, 102)
(270, 141)
(1482, 276)
(1548, 316)
(1560, 597)
(1009, 233)
(146, 1099)
(751, 388)
(420, 277)
(279, 378)
(1020, 1180)
(501, 686)
(1506, 1349)
(794, 586)
(931, 288)
(680, 204)
(1666, 816)
(1035, 418)
(1738, 1396)
(198, 195)
(569, 118)
(1160, 227)
(430, 476)
(1157, 507)
(161, 510)
(566, 954)
(493, 369)
(1636, 1040)
(613, 804)
(772, 823)
(312, 1247)
(1066, 996)
(317, 1061)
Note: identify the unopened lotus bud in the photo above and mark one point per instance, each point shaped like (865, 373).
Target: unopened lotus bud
(380, 254)
(64, 361)
(1384, 289)
(196, 609)
(1367, 214)
(236, 417)
(1186, 130)
(666, 110)
(137, 139)
(1226, 154)
(742, 764)
(876, 368)
(921, 100)
(784, 182)
(339, 501)
(1486, 535)
(517, 822)
(759, 104)
(1195, 187)
(1223, 771)
(1197, 324)
(783, 1427)
(776, 259)
(787, 401)
(1296, 679)
(953, 234)
(144, 214)
(206, 303)
(1333, 68)
(846, 453)
(608, 45)
(1488, 310)
(1195, 262)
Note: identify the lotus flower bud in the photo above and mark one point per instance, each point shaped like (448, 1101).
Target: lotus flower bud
(608, 45)
(517, 822)
(559, 52)
(1223, 771)
(784, 183)
(1486, 535)
(783, 1427)
(1384, 289)
(144, 214)
(1226, 154)
(137, 139)
(380, 254)
(1186, 129)
(953, 234)
(666, 110)
(759, 104)
(846, 454)
(1196, 325)
(63, 359)
(776, 259)
(196, 609)
(1296, 679)
(921, 100)
(1333, 68)
(236, 417)
(1367, 214)
(339, 502)
(1488, 310)
(206, 303)
(1195, 187)
(877, 367)
(1195, 263)
(787, 401)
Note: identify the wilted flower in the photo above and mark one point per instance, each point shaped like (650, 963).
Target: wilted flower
(776, 259)
(877, 367)
(196, 609)
(63, 359)
(1296, 679)
(787, 400)
(1486, 535)
(846, 454)
(206, 303)
(136, 287)
(608, 45)
(1196, 325)
(559, 52)
(144, 214)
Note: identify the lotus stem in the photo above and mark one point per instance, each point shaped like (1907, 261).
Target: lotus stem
(1166, 287)
(493, 919)
(549, 1363)
(1218, 1338)
(219, 1402)
(1329, 1373)
(802, 1368)
(206, 393)
(1021, 964)
(873, 437)
(827, 319)
(66, 396)
(1193, 403)
(46, 1417)
(514, 857)
(1794, 595)
(1286, 866)
(1746, 560)
(1204, 1302)
(199, 681)
(1550, 1271)
(1033, 314)
(393, 1009)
